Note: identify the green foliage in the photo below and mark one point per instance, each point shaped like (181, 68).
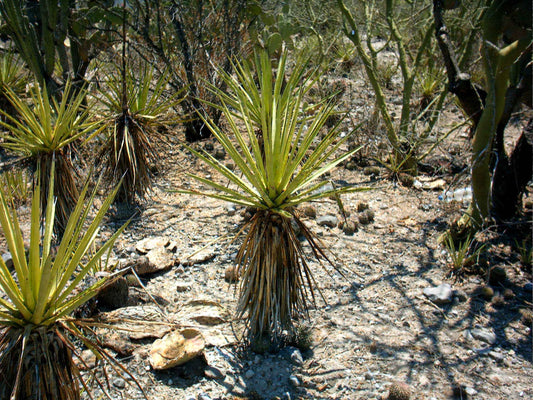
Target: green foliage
(16, 186)
(48, 34)
(463, 253)
(134, 117)
(45, 129)
(11, 74)
(525, 251)
(408, 28)
(41, 293)
(278, 159)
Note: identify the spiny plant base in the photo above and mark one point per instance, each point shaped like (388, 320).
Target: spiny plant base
(276, 279)
(129, 149)
(37, 365)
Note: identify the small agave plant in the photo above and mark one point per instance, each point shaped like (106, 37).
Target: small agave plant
(137, 108)
(47, 129)
(279, 155)
(37, 298)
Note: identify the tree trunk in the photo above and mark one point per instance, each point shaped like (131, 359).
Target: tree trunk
(511, 177)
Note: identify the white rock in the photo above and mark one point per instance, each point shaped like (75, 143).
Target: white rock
(176, 348)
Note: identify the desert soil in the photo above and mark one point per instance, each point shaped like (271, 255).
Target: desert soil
(374, 325)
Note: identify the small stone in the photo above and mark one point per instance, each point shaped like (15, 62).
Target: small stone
(231, 210)
(183, 286)
(309, 211)
(296, 357)
(230, 165)
(470, 391)
(294, 380)
(203, 396)
(496, 356)
(114, 294)
(441, 294)
(369, 376)
(249, 374)
(156, 260)
(201, 257)
(231, 274)
(214, 373)
(180, 269)
(220, 154)
(8, 260)
(145, 245)
(119, 383)
(484, 334)
(330, 221)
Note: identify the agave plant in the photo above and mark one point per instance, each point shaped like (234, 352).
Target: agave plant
(275, 173)
(137, 109)
(45, 129)
(36, 329)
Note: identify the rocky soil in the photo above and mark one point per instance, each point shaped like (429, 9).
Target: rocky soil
(395, 318)
(392, 317)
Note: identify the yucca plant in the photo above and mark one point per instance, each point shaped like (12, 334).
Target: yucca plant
(36, 327)
(11, 77)
(44, 129)
(137, 109)
(275, 173)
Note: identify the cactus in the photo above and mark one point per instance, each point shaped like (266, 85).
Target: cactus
(51, 32)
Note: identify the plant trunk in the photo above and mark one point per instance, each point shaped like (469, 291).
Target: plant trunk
(511, 177)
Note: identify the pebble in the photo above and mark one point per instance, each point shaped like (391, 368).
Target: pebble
(294, 380)
(231, 210)
(203, 396)
(249, 374)
(470, 391)
(214, 373)
(484, 334)
(330, 221)
(441, 294)
(296, 357)
(119, 383)
(8, 260)
(497, 356)
(183, 286)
